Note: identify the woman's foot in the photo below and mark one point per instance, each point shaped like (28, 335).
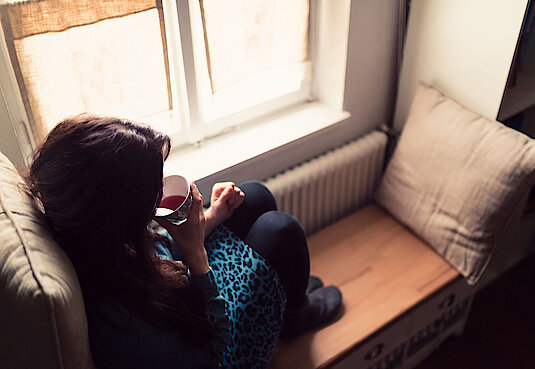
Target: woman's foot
(313, 284)
(322, 307)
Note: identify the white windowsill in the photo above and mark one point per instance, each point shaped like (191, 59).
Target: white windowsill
(219, 153)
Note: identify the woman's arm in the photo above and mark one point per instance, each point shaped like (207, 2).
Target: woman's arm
(216, 308)
(189, 240)
(226, 197)
(126, 341)
(189, 236)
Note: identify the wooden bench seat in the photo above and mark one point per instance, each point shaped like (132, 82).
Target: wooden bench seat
(383, 271)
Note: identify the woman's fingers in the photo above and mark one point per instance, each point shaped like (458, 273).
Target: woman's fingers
(196, 206)
(196, 195)
(223, 185)
(237, 198)
(239, 192)
(232, 197)
(219, 188)
(237, 202)
(227, 194)
(194, 190)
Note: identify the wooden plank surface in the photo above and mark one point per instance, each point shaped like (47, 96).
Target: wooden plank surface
(382, 269)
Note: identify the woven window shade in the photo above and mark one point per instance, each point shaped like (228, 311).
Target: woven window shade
(101, 56)
(246, 37)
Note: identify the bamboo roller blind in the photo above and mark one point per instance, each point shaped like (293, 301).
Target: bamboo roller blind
(100, 56)
(245, 37)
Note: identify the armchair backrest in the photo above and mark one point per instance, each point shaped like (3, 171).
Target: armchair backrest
(42, 317)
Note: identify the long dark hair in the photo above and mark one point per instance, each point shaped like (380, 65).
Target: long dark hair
(99, 180)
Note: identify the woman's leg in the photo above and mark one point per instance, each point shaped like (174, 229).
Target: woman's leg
(277, 237)
(258, 200)
(280, 239)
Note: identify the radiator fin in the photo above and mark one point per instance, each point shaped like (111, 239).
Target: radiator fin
(328, 187)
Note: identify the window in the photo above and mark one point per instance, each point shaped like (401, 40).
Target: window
(189, 68)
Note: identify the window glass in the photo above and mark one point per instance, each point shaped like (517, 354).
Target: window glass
(247, 37)
(111, 57)
(95, 59)
(256, 50)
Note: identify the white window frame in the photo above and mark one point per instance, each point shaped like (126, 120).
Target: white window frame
(12, 110)
(254, 151)
(192, 61)
(330, 20)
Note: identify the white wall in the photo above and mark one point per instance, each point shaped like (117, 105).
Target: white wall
(371, 60)
(463, 47)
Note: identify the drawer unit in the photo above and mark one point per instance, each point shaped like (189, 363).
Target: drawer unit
(435, 320)
(455, 315)
(384, 351)
(424, 332)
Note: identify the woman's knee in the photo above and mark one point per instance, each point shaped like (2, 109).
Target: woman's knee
(258, 200)
(258, 196)
(282, 226)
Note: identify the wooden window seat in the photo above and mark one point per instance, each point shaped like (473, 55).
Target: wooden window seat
(397, 297)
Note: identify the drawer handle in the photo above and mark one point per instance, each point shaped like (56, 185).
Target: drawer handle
(447, 302)
(374, 352)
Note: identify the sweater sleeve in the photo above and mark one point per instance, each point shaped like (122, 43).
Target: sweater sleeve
(214, 302)
(216, 306)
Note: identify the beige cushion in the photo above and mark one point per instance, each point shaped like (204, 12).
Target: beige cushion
(455, 178)
(42, 316)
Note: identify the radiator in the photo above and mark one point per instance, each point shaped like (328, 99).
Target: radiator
(330, 186)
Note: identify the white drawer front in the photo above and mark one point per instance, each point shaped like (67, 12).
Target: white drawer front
(437, 318)
(385, 351)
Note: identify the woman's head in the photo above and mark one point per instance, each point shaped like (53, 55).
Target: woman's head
(99, 180)
(99, 173)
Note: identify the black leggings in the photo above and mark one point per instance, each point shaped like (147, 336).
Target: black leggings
(276, 236)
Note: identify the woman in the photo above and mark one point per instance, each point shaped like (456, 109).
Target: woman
(215, 291)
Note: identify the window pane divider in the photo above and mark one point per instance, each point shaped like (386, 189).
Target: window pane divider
(183, 8)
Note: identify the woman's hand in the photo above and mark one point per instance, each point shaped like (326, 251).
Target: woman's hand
(226, 197)
(189, 236)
